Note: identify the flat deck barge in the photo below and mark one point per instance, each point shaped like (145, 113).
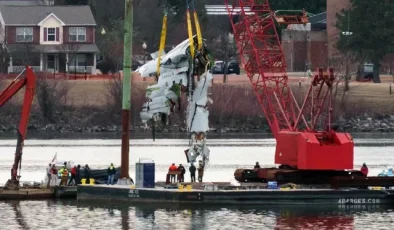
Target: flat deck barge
(236, 197)
(38, 193)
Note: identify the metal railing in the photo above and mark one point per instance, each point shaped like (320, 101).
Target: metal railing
(80, 69)
(72, 69)
(18, 69)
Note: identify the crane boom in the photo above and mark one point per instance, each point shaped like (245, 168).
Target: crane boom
(304, 138)
(264, 61)
(28, 80)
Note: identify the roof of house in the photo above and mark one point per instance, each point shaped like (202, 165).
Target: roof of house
(32, 15)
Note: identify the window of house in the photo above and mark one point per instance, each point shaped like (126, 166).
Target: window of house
(51, 34)
(81, 60)
(77, 34)
(24, 34)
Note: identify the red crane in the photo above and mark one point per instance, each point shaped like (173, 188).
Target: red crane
(25, 78)
(305, 142)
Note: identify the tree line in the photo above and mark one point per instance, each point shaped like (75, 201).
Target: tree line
(148, 16)
(371, 25)
(371, 28)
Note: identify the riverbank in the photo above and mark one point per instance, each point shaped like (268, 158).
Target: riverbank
(83, 108)
(90, 122)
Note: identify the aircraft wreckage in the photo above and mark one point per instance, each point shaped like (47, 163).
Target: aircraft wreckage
(177, 76)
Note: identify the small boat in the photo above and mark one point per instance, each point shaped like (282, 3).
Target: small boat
(100, 176)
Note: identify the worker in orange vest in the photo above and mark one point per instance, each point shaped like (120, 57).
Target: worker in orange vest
(64, 173)
(364, 170)
(173, 169)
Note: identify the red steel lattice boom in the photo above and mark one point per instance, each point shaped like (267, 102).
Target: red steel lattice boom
(299, 143)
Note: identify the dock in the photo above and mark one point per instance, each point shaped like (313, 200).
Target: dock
(39, 193)
(236, 197)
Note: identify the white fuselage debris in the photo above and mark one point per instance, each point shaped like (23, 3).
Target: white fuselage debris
(174, 76)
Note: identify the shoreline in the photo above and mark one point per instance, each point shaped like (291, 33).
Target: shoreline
(179, 135)
(76, 128)
(92, 110)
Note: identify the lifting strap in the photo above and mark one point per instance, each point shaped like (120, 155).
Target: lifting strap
(197, 24)
(162, 41)
(190, 30)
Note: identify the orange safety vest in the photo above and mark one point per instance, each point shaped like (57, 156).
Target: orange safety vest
(65, 172)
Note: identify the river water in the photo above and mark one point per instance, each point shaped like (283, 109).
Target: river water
(226, 155)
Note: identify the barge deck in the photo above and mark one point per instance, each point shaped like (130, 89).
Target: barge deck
(38, 193)
(236, 197)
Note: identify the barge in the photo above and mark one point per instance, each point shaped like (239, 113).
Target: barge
(39, 193)
(236, 197)
(146, 190)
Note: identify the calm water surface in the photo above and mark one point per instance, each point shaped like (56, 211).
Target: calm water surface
(74, 215)
(226, 155)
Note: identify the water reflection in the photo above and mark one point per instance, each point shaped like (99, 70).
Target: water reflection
(241, 217)
(18, 214)
(124, 213)
(71, 214)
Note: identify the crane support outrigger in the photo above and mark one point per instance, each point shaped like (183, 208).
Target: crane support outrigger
(28, 79)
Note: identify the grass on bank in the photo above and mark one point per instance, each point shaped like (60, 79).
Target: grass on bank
(100, 101)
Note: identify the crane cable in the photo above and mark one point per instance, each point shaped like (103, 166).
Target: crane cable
(162, 40)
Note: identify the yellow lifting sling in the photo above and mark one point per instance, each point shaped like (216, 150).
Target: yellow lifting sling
(198, 28)
(162, 41)
(190, 29)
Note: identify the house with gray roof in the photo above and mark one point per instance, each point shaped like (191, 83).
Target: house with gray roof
(49, 38)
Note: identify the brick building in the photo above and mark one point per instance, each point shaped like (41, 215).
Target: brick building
(334, 7)
(316, 45)
(313, 45)
(306, 46)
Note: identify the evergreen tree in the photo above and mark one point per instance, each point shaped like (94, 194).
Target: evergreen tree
(372, 31)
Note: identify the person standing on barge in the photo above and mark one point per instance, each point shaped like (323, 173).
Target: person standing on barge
(192, 170)
(172, 170)
(200, 171)
(49, 176)
(364, 170)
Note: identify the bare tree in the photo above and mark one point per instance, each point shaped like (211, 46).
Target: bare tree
(114, 95)
(218, 39)
(49, 95)
(343, 75)
(4, 55)
(115, 55)
(72, 50)
(25, 54)
(114, 99)
(148, 24)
